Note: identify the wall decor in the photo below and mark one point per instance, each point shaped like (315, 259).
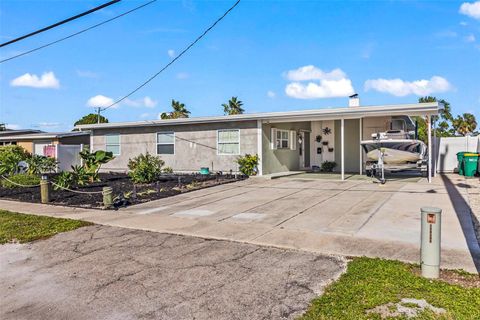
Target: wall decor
(325, 143)
(327, 131)
(318, 138)
(330, 149)
(319, 150)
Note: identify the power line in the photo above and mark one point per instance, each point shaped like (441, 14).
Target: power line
(60, 23)
(77, 33)
(174, 59)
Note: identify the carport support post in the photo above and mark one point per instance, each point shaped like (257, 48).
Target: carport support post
(429, 133)
(342, 147)
(360, 124)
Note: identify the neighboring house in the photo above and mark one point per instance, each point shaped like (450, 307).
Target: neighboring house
(35, 141)
(285, 141)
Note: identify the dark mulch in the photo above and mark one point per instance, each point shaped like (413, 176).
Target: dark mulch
(166, 186)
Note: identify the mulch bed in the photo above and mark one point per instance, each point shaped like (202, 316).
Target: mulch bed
(123, 187)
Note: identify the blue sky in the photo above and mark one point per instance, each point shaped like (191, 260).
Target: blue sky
(273, 55)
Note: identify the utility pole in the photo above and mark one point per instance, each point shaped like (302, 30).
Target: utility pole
(98, 114)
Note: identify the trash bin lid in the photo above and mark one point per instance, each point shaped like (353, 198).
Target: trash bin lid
(431, 210)
(471, 155)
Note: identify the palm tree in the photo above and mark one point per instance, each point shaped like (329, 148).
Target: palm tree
(234, 106)
(179, 111)
(465, 124)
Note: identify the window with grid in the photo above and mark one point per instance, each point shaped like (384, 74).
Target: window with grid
(112, 144)
(283, 141)
(166, 142)
(228, 141)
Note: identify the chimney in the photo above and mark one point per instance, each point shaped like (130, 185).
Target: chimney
(354, 100)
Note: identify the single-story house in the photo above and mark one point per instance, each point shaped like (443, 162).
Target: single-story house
(284, 141)
(35, 141)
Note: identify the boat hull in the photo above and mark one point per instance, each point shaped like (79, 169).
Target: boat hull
(395, 152)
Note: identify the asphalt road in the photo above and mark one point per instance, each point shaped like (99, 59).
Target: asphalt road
(102, 272)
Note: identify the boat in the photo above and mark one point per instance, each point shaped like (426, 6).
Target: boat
(394, 150)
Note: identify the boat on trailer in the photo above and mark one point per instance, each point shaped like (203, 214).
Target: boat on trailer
(394, 151)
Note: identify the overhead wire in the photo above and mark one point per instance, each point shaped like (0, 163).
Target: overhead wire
(174, 59)
(77, 33)
(59, 23)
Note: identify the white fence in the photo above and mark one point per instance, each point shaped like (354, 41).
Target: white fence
(446, 158)
(66, 155)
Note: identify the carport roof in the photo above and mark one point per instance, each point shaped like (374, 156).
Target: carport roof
(415, 109)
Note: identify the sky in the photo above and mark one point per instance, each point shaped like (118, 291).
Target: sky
(273, 55)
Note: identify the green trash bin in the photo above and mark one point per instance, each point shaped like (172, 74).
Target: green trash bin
(470, 164)
(460, 162)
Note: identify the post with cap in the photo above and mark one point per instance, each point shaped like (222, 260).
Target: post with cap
(45, 189)
(430, 241)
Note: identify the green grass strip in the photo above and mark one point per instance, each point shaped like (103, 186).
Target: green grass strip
(18, 227)
(369, 283)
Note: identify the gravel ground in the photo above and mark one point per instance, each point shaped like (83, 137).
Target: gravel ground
(101, 272)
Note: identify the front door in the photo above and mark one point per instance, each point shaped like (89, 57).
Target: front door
(304, 150)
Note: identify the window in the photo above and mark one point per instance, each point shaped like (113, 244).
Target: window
(282, 141)
(228, 141)
(112, 144)
(166, 143)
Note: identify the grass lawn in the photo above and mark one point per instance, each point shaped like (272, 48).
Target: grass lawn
(18, 227)
(369, 283)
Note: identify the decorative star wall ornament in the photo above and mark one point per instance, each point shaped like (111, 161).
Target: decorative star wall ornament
(327, 131)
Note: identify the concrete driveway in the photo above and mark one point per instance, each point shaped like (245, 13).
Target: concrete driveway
(102, 272)
(353, 217)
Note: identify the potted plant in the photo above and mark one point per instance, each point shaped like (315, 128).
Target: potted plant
(330, 149)
(325, 143)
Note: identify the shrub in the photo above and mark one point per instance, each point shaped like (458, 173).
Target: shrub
(248, 164)
(22, 179)
(64, 180)
(40, 164)
(167, 170)
(145, 168)
(80, 176)
(92, 161)
(10, 156)
(328, 166)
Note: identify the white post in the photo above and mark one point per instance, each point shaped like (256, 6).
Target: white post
(361, 151)
(259, 147)
(435, 147)
(429, 133)
(342, 147)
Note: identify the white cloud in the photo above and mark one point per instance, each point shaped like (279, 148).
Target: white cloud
(48, 125)
(271, 94)
(144, 115)
(143, 102)
(311, 72)
(12, 126)
(46, 81)
(400, 88)
(463, 23)
(470, 38)
(87, 74)
(171, 53)
(183, 75)
(100, 101)
(471, 9)
(331, 84)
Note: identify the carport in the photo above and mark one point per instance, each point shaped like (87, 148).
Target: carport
(300, 140)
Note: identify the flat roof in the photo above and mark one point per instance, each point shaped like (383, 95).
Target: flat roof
(10, 132)
(42, 135)
(415, 109)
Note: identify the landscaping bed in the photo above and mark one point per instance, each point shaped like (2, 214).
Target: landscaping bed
(123, 187)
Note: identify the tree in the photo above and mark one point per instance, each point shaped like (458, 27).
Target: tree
(179, 111)
(465, 124)
(445, 125)
(91, 118)
(234, 106)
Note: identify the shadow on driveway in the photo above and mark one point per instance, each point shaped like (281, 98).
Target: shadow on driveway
(463, 211)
